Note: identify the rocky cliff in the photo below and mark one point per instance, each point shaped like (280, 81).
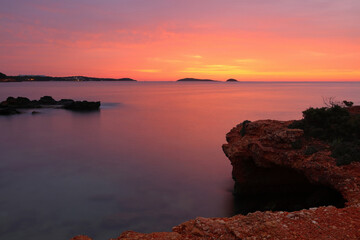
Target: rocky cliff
(270, 159)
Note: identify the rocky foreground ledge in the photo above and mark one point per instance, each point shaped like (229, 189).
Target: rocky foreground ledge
(266, 157)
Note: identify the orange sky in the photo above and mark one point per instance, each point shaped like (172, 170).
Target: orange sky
(168, 39)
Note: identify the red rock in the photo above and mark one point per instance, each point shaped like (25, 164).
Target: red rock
(81, 237)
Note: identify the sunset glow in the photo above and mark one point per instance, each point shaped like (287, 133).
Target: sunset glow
(167, 40)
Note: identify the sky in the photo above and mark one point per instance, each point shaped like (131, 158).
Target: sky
(278, 40)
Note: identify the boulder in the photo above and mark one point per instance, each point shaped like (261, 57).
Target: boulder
(19, 102)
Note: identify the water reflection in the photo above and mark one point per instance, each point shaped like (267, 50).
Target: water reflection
(149, 160)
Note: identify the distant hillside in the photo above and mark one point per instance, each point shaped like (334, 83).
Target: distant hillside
(195, 80)
(41, 78)
(2, 76)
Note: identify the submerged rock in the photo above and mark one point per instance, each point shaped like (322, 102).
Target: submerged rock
(8, 111)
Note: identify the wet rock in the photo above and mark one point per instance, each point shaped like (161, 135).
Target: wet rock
(8, 111)
(11, 104)
(47, 100)
(66, 101)
(19, 102)
(82, 106)
(81, 237)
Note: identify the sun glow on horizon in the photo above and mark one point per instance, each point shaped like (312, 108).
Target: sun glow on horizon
(249, 40)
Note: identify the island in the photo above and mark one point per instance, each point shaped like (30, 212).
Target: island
(232, 80)
(41, 78)
(12, 105)
(195, 80)
(302, 179)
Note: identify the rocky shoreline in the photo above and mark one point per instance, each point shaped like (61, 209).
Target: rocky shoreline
(12, 105)
(265, 159)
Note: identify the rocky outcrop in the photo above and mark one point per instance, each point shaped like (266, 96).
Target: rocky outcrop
(267, 145)
(11, 104)
(268, 157)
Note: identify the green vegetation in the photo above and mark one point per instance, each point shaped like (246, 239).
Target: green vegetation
(336, 126)
(243, 129)
(348, 103)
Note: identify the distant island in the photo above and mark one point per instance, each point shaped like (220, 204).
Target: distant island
(232, 80)
(41, 78)
(195, 80)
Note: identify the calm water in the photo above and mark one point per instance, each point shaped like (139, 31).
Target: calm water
(149, 160)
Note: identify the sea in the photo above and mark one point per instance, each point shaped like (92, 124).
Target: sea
(150, 159)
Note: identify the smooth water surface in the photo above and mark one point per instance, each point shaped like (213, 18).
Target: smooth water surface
(149, 160)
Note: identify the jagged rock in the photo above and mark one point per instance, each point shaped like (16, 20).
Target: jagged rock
(9, 106)
(81, 237)
(268, 144)
(19, 102)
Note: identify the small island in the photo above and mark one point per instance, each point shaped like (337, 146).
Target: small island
(41, 78)
(195, 80)
(232, 80)
(12, 105)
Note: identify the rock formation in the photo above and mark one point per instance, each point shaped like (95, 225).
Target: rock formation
(11, 105)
